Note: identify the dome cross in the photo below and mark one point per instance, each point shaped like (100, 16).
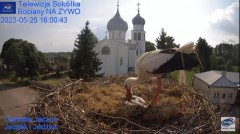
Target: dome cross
(118, 4)
(138, 4)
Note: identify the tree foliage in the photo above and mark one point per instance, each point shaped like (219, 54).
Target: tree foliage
(22, 56)
(164, 41)
(229, 53)
(4, 55)
(150, 46)
(205, 53)
(84, 61)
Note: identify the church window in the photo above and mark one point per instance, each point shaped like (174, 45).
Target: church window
(135, 36)
(139, 36)
(137, 52)
(105, 50)
(121, 61)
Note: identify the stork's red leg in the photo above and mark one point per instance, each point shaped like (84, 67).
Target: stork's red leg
(158, 90)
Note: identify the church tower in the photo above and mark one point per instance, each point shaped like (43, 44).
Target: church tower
(138, 33)
(117, 27)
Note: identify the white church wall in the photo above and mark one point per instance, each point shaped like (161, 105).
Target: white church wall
(132, 57)
(117, 35)
(122, 58)
(138, 27)
(109, 61)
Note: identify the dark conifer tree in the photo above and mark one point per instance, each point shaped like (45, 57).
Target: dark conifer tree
(164, 41)
(205, 53)
(84, 61)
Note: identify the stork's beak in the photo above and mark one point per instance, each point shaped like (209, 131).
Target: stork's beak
(128, 94)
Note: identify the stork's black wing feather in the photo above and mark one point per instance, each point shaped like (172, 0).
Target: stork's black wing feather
(170, 51)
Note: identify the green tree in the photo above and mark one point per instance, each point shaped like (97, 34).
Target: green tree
(6, 57)
(205, 52)
(164, 41)
(31, 57)
(22, 56)
(228, 51)
(150, 46)
(84, 61)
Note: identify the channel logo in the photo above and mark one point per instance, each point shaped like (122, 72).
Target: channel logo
(7, 7)
(227, 123)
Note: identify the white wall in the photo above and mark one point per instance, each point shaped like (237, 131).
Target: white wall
(111, 63)
(222, 91)
(203, 88)
(132, 57)
(117, 35)
(122, 53)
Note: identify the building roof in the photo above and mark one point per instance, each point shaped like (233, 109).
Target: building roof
(117, 23)
(138, 20)
(216, 79)
(232, 76)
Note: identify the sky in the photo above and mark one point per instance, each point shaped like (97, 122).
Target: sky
(186, 20)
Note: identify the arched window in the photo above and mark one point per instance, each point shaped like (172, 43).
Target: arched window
(139, 36)
(135, 36)
(137, 52)
(105, 50)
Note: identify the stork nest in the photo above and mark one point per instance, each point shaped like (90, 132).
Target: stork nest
(96, 107)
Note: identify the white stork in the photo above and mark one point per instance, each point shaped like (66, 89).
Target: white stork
(156, 63)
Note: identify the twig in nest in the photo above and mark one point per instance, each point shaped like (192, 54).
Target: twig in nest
(121, 118)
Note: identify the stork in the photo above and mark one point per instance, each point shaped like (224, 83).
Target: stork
(159, 62)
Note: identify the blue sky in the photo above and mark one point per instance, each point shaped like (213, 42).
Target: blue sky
(215, 20)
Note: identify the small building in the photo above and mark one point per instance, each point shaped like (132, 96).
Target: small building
(218, 86)
(45, 68)
(62, 63)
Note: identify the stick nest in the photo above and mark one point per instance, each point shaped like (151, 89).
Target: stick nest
(97, 107)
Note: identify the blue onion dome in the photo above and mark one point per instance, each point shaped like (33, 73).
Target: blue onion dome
(138, 20)
(117, 23)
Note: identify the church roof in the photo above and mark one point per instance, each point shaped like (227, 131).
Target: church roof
(117, 23)
(138, 20)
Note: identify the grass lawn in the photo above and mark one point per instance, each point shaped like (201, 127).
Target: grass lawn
(175, 74)
(236, 68)
(10, 80)
(54, 81)
(189, 75)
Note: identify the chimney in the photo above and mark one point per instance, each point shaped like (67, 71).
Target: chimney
(224, 72)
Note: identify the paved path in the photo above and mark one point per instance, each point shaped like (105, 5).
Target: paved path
(182, 78)
(13, 101)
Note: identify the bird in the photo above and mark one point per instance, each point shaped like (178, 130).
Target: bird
(159, 62)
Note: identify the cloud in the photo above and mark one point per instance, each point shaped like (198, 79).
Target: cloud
(231, 41)
(226, 20)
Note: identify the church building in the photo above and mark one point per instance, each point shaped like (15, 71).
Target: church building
(117, 54)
